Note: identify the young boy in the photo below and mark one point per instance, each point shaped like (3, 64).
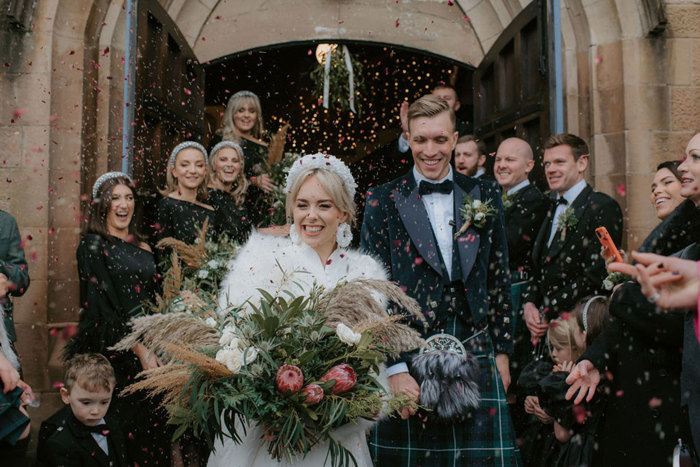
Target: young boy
(81, 433)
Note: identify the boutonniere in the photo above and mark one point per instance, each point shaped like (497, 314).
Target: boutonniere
(567, 220)
(474, 212)
(508, 200)
(613, 279)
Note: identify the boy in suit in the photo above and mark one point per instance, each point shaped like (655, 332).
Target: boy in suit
(81, 433)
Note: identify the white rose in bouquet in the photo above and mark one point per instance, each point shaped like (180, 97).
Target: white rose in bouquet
(347, 335)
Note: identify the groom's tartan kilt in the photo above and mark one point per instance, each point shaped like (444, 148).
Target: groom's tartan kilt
(487, 438)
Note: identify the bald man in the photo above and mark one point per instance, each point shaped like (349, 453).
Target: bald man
(525, 208)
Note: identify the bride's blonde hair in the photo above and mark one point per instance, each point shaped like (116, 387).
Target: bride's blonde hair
(332, 183)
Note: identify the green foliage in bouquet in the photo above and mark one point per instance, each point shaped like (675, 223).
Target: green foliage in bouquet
(339, 89)
(298, 366)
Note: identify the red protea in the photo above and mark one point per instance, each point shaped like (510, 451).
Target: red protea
(289, 378)
(314, 394)
(344, 377)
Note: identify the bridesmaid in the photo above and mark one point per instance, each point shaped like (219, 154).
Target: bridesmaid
(230, 193)
(183, 210)
(117, 273)
(243, 123)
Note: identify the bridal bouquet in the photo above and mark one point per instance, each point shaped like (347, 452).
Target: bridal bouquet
(299, 366)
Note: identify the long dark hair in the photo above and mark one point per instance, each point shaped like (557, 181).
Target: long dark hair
(100, 206)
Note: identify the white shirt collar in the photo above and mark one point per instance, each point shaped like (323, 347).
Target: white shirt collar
(518, 187)
(479, 172)
(572, 193)
(419, 177)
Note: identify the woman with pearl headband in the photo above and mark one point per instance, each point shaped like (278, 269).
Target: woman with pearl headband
(231, 194)
(117, 273)
(183, 210)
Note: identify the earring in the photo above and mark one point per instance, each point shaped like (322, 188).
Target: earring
(344, 235)
(293, 235)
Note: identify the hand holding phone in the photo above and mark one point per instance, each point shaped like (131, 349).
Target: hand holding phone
(607, 242)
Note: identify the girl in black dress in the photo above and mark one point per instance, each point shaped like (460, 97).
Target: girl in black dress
(118, 275)
(243, 123)
(234, 199)
(182, 212)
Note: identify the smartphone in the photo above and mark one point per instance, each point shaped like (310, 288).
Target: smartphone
(607, 242)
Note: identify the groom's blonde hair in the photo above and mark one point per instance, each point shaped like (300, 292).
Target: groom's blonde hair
(332, 183)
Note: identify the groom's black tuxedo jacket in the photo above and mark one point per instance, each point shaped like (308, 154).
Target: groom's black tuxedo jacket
(397, 231)
(571, 269)
(64, 441)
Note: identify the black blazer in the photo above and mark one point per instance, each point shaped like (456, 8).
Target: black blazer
(523, 219)
(397, 231)
(571, 269)
(64, 441)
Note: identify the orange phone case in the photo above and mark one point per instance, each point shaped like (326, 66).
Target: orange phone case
(606, 241)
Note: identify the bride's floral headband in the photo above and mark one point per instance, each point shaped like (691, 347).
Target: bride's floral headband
(322, 161)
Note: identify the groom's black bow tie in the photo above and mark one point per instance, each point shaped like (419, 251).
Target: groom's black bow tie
(426, 188)
(561, 200)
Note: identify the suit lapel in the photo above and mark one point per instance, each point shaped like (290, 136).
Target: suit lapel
(579, 206)
(415, 220)
(540, 245)
(87, 442)
(467, 243)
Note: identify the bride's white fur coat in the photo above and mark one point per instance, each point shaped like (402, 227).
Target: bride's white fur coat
(276, 265)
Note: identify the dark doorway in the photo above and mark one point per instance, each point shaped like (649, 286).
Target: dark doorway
(280, 76)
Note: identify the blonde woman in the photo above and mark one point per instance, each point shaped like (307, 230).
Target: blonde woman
(243, 124)
(231, 194)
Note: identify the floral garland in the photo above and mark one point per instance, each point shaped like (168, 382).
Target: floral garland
(338, 81)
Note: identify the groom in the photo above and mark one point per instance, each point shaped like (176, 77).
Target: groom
(461, 280)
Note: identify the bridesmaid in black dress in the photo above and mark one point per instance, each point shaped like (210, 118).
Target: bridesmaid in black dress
(230, 193)
(182, 211)
(118, 275)
(243, 123)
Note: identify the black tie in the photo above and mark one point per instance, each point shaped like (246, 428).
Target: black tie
(426, 188)
(101, 429)
(562, 200)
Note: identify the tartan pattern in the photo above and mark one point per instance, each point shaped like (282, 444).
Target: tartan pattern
(487, 438)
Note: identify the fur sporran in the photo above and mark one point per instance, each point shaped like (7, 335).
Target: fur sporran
(449, 383)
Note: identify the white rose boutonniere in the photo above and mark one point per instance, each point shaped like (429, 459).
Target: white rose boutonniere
(474, 212)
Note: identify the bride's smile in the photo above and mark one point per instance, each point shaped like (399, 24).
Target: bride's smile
(316, 217)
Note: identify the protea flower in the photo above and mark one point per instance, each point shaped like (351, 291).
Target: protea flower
(314, 393)
(289, 378)
(344, 377)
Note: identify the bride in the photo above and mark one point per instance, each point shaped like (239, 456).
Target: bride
(320, 191)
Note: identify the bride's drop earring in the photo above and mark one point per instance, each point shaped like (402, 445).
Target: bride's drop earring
(293, 235)
(344, 235)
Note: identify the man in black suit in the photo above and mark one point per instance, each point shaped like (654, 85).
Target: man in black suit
(567, 261)
(458, 273)
(524, 205)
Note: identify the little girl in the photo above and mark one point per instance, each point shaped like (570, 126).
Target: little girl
(182, 211)
(574, 425)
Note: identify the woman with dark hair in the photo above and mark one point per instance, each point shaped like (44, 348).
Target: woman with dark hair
(118, 275)
(678, 214)
(230, 194)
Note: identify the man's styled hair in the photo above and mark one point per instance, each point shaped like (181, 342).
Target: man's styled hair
(430, 106)
(90, 371)
(480, 145)
(446, 86)
(578, 146)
